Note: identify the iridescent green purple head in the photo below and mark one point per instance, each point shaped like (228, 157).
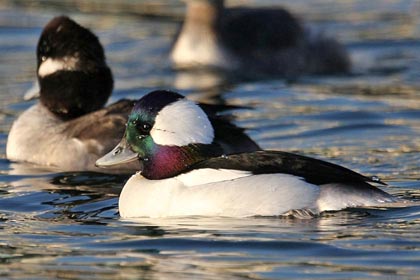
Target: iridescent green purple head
(167, 133)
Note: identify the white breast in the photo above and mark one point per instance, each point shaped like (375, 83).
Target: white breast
(240, 195)
(200, 48)
(39, 137)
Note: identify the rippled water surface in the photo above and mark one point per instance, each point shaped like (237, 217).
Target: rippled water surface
(66, 225)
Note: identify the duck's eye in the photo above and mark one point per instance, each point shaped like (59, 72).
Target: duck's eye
(143, 128)
(44, 48)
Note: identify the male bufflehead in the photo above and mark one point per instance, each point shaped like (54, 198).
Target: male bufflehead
(255, 40)
(184, 172)
(69, 128)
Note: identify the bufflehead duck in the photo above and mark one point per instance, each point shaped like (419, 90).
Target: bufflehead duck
(184, 172)
(255, 40)
(63, 128)
(69, 128)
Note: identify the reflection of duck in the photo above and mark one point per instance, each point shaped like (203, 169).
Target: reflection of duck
(184, 172)
(68, 128)
(253, 40)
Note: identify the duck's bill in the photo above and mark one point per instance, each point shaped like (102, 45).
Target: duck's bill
(33, 92)
(119, 155)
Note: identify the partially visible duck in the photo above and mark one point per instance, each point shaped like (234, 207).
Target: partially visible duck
(253, 40)
(69, 128)
(185, 171)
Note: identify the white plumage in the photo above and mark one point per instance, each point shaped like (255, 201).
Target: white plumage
(38, 136)
(50, 65)
(236, 196)
(200, 47)
(234, 193)
(182, 123)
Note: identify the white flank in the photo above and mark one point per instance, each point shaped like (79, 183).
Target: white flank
(50, 66)
(335, 196)
(266, 194)
(182, 123)
(40, 137)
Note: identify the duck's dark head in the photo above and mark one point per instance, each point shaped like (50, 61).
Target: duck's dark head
(72, 72)
(167, 133)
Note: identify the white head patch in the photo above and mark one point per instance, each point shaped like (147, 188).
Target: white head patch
(181, 123)
(50, 66)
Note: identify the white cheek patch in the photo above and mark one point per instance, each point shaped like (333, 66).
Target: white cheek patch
(50, 66)
(182, 123)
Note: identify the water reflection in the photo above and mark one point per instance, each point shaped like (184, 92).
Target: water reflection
(77, 226)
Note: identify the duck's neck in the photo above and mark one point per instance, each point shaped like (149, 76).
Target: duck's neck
(71, 94)
(199, 42)
(169, 161)
(203, 14)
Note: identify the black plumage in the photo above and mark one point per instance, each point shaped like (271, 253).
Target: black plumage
(247, 30)
(230, 138)
(312, 170)
(255, 41)
(87, 85)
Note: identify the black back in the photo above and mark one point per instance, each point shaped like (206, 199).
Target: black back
(248, 30)
(312, 170)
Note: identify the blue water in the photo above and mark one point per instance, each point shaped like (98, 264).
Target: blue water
(56, 225)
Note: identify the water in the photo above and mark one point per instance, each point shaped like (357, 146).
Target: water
(58, 225)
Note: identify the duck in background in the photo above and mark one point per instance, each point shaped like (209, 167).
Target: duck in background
(185, 172)
(69, 128)
(253, 41)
